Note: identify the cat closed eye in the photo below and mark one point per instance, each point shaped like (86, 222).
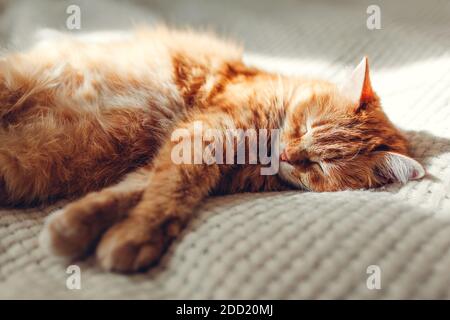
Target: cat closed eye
(308, 163)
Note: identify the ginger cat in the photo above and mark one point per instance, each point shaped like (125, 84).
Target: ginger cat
(79, 116)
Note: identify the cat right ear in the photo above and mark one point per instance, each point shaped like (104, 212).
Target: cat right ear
(400, 168)
(358, 87)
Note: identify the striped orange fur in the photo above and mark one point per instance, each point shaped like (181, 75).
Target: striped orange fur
(80, 117)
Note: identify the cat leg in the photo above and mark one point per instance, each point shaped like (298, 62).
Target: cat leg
(73, 230)
(3, 195)
(166, 205)
(5, 200)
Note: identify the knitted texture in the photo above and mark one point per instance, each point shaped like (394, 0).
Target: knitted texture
(292, 244)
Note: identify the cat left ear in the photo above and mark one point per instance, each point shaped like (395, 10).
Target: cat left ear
(400, 168)
(358, 87)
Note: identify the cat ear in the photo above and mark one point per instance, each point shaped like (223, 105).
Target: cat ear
(400, 168)
(358, 87)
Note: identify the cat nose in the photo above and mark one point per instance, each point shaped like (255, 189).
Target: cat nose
(287, 155)
(292, 155)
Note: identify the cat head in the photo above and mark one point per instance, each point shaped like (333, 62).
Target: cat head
(338, 137)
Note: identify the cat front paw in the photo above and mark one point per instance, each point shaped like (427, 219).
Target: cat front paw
(63, 238)
(123, 242)
(72, 231)
(134, 245)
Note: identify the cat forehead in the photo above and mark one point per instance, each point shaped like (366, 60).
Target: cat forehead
(310, 113)
(319, 97)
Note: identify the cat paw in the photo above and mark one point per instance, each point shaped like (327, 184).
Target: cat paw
(132, 245)
(70, 232)
(126, 245)
(61, 238)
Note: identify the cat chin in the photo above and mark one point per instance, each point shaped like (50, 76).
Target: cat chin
(285, 173)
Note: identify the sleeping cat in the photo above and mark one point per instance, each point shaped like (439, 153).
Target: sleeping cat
(79, 117)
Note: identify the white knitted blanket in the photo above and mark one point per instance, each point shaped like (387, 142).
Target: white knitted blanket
(291, 244)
